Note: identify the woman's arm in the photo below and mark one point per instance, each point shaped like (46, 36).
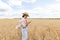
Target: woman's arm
(18, 25)
(27, 23)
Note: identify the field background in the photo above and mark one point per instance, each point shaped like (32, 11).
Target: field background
(39, 29)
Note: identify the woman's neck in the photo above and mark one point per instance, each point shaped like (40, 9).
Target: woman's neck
(24, 18)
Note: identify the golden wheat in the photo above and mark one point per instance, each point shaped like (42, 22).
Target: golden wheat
(39, 29)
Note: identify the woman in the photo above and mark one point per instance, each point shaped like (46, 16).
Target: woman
(24, 23)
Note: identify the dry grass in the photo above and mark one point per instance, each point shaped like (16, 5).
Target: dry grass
(39, 29)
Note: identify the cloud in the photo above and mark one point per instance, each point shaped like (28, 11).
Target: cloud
(2, 10)
(19, 2)
(5, 9)
(30, 1)
(38, 12)
(54, 10)
(9, 12)
(49, 11)
(57, 0)
(4, 6)
(15, 2)
(54, 7)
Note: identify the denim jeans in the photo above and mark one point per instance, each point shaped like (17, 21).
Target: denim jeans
(24, 33)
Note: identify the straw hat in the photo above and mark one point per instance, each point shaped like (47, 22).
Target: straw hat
(25, 14)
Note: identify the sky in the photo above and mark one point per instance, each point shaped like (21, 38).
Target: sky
(35, 8)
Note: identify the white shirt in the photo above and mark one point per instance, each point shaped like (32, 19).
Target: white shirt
(21, 23)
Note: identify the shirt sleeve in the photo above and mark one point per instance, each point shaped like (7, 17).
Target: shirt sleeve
(18, 24)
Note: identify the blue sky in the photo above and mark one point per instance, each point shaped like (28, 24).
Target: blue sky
(35, 8)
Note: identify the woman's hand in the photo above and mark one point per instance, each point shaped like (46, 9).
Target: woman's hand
(29, 22)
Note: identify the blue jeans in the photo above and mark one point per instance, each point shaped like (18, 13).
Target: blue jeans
(24, 33)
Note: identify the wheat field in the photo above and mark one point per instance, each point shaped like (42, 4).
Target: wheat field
(39, 29)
